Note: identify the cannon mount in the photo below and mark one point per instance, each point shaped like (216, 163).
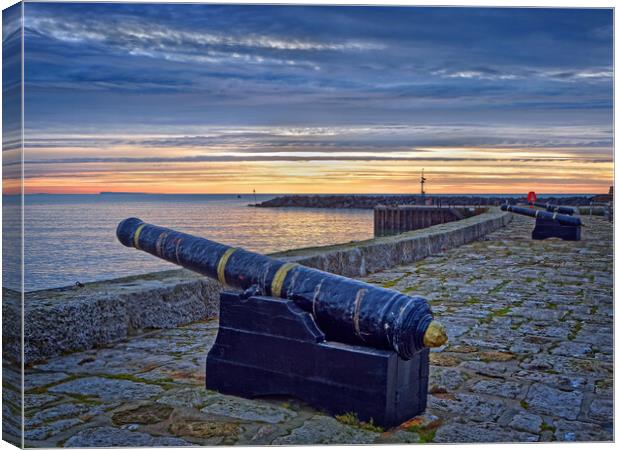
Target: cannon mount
(267, 346)
(546, 228)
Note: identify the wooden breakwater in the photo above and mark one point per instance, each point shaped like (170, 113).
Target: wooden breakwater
(390, 220)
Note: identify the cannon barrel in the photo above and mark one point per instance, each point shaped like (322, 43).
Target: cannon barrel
(537, 213)
(346, 310)
(555, 208)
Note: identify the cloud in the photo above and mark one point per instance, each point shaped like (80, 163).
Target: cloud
(11, 24)
(580, 75)
(361, 138)
(527, 73)
(290, 158)
(479, 74)
(132, 32)
(116, 84)
(136, 37)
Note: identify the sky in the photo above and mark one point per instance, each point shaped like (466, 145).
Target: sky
(307, 99)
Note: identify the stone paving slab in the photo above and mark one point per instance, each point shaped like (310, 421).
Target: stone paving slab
(529, 359)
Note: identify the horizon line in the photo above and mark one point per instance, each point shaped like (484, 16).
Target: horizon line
(301, 194)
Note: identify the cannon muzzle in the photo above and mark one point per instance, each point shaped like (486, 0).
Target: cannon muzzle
(346, 310)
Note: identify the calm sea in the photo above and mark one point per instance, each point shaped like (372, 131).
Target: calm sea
(72, 238)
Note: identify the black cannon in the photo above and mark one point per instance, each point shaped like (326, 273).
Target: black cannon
(555, 208)
(550, 224)
(340, 344)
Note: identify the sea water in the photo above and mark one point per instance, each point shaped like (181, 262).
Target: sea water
(72, 238)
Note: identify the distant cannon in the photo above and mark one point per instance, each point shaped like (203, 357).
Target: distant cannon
(555, 208)
(550, 224)
(274, 338)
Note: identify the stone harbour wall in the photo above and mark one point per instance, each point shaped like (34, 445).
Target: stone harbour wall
(362, 258)
(79, 318)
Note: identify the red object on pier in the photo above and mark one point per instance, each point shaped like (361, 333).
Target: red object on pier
(531, 198)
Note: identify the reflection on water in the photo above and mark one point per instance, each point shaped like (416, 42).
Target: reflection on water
(72, 238)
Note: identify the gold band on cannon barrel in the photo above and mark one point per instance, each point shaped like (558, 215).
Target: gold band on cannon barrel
(136, 236)
(279, 277)
(221, 265)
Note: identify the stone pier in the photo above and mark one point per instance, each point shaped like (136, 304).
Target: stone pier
(530, 358)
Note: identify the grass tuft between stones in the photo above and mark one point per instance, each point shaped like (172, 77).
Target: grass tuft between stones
(497, 288)
(472, 301)
(575, 331)
(44, 388)
(502, 311)
(351, 419)
(164, 382)
(546, 427)
(524, 404)
(425, 434)
(495, 313)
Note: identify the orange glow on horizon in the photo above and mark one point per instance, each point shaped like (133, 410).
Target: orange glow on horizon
(464, 170)
(321, 178)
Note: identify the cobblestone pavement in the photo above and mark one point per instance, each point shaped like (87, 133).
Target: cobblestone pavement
(529, 359)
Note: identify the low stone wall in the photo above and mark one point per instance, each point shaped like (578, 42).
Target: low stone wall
(362, 258)
(71, 319)
(593, 210)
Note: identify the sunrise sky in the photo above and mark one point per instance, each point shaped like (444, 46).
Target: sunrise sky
(289, 99)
